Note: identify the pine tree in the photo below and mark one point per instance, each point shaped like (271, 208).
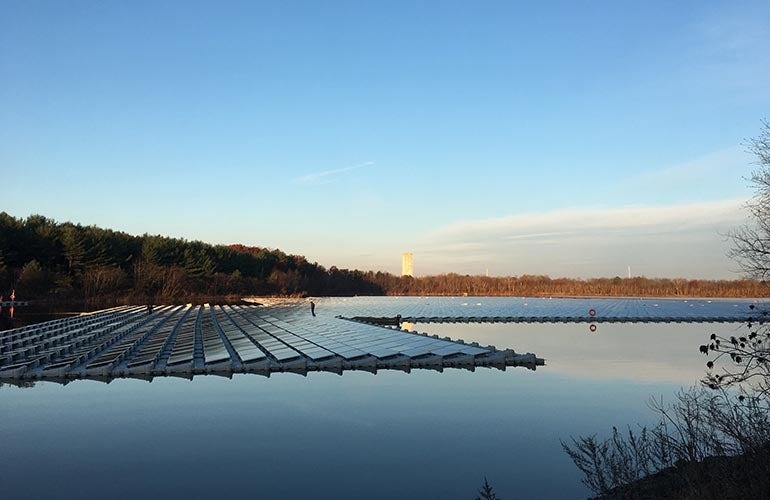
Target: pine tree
(487, 493)
(74, 249)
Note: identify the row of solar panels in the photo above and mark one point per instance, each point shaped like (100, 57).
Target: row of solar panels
(356, 339)
(69, 341)
(155, 342)
(444, 307)
(201, 336)
(54, 331)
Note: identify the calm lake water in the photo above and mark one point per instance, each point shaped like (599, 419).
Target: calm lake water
(391, 435)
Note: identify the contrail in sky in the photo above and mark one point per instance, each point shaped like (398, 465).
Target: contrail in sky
(320, 175)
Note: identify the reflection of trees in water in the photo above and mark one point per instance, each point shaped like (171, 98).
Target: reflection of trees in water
(32, 315)
(6, 319)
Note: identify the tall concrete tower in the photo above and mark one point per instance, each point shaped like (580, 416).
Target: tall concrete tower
(407, 264)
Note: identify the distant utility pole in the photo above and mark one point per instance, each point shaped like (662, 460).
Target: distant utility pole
(629, 272)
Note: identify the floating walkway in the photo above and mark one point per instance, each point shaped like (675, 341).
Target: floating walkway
(189, 340)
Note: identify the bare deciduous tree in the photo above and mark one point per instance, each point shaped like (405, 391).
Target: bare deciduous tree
(707, 444)
(745, 360)
(752, 241)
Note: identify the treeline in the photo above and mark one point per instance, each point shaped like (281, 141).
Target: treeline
(532, 286)
(42, 258)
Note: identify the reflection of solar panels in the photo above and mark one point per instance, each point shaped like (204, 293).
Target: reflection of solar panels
(191, 340)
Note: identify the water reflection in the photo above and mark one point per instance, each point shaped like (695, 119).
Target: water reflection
(636, 352)
(395, 435)
(7, 311)
(16, 317)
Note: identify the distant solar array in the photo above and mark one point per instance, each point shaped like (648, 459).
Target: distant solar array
(188, 340)
(547, 310)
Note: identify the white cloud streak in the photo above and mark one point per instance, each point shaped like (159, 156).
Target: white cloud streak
(580, 220)
(324, 177)
(662, 240)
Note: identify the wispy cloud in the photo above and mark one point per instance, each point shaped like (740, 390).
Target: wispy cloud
(327, 176)
(579, 220)
(674, 239)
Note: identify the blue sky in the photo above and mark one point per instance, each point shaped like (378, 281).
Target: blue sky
(563, 138)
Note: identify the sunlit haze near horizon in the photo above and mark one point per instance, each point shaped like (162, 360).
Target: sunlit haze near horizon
(563, 138)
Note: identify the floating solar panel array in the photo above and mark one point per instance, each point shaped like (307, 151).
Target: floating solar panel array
(546, 310)
(188, 340)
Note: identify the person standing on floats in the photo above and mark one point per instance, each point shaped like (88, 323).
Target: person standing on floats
(312, 308)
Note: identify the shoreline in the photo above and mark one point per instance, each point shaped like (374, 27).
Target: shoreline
(234, 299)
